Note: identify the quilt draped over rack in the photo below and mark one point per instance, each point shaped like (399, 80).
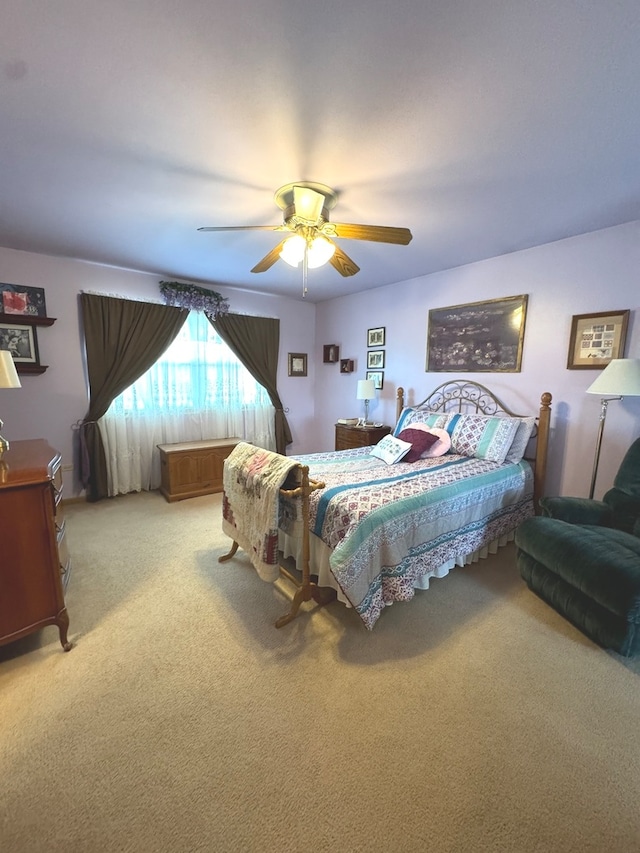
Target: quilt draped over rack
(252, 479)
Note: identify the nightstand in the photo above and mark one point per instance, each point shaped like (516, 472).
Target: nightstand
(348, 437)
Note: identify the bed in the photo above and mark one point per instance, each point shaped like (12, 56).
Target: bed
(371, 532)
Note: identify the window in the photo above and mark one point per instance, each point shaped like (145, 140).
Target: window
(197, 389)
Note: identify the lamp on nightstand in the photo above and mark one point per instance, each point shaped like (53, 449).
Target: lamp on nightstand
(366, 391)
(8, 379)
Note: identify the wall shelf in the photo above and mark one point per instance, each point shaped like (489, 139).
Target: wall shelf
(27, 320)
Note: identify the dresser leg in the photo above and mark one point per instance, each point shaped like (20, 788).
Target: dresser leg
(63, 626)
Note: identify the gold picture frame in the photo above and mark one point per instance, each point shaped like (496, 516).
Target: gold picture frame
(596, 339)
(479, 337)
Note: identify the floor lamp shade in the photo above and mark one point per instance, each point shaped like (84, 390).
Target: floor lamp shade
(620, 378)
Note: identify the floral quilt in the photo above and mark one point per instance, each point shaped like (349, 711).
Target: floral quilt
(389, 525)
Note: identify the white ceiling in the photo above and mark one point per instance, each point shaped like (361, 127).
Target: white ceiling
(485, 126)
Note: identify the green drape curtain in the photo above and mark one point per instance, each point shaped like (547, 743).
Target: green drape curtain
(123, 339)
(255, 341)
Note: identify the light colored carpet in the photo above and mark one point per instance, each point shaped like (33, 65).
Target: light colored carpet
(473, 718)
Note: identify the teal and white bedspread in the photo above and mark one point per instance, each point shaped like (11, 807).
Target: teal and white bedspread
(388, 526)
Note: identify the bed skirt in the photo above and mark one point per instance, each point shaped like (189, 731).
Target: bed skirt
(319, 560)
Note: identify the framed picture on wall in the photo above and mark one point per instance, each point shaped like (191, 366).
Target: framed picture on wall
(21, 341)
(17, 299)
(297, 364)
(375, 358)
(378, 378)
(375, 337)
(480, 337)
(596, 339)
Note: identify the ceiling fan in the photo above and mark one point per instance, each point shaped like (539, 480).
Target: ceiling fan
(306, 207)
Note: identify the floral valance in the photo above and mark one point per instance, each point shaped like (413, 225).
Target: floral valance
(194, 298)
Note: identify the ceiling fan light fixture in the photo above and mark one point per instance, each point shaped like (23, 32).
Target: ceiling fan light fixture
(321, 251)
(293, 250)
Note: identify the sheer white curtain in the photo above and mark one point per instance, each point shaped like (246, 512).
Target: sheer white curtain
(198, 389)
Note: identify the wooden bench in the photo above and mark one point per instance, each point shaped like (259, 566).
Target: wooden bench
(192, 468)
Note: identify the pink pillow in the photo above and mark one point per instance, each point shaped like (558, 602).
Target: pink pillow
(442, 444)
(420, 442)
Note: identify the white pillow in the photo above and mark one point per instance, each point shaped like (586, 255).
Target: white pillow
(391, 449)
(520, 440)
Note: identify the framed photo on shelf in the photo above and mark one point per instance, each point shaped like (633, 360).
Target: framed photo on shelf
(375, 337)
(297, 364)
(21, 341)
(596, 339)
(375, 359)
(378, 378)
(480, 337)
(16, 299)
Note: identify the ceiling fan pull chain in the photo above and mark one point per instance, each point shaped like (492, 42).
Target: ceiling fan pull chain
(305, 268)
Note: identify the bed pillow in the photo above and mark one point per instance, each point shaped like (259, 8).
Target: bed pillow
(420, 441)
(409, 417)
(481, 436)
(391, 449)
(521, 439)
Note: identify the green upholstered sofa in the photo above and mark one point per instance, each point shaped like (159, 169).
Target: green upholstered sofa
(583, 558)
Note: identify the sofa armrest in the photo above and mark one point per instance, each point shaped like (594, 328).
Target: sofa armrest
(577, 510)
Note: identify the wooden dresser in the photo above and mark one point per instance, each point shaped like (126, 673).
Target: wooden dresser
(34, 561)
(192, 468)
(355, 436)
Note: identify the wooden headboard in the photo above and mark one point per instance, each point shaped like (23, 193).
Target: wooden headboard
(462, 395)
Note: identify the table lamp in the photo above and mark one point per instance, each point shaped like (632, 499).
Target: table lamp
(8, 379)
(366, 391)
(620, 378)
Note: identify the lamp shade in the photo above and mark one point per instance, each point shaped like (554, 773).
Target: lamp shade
(620, 378)
(8, 373)
(366, 389)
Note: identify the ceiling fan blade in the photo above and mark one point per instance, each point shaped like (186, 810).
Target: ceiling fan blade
(343, 263)
(244, 228)
(308, 204)
(374, 233)
(269, 259)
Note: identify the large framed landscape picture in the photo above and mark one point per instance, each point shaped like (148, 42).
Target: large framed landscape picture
(479, 337)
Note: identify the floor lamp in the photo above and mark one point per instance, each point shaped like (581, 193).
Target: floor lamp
(620, 378)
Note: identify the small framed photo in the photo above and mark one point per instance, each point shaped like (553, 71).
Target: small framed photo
(596, 339)
(378, 378)
(21, 341)
(375, 337)
(16, 299)
(297, 364)
(375, 359)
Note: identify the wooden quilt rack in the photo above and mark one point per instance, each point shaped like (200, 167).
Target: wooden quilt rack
(306, 588)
